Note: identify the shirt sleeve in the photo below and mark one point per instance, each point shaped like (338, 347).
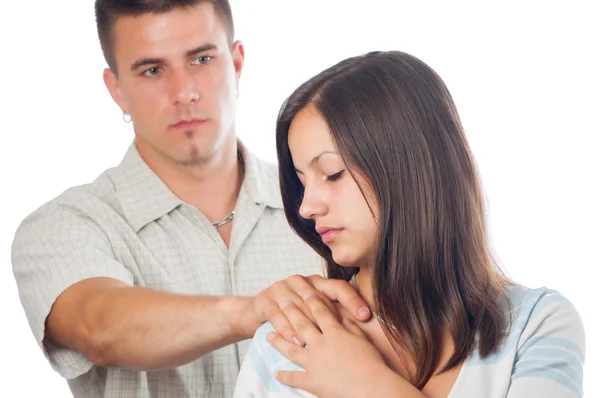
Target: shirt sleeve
(256, 380)
(54, 248)
(551, 354)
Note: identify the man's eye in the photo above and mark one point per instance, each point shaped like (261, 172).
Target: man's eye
(203, 59)
(151, 72)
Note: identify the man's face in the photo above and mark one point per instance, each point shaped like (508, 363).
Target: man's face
(177, 78)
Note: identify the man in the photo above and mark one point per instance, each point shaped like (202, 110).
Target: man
(138, 284)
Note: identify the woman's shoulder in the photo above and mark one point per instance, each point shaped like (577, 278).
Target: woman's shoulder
(255, 378)
(264, 357)
(273, 358)
(542, 323)
(542, 353)
(543, 312)
(527, 298)
(537, 318)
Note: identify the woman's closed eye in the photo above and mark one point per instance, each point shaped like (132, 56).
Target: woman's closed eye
(336, 176)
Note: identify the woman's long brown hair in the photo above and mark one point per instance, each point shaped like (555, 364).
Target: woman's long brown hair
(394, 121)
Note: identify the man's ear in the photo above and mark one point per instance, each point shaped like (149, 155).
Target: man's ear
(238, 53)
(112, 84)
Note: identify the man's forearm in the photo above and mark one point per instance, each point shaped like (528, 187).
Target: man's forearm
(144, 329)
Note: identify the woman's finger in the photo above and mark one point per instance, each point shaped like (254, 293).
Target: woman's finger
(292, 378)
(274, 314)
(344, 293)
(350, 326)
(292, 352)
(326, 319)
(304, 326)
(299, 286)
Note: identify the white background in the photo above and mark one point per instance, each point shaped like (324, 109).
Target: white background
(524, 74)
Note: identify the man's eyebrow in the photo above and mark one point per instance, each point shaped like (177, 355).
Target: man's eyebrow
(146, 61)
(201, 49)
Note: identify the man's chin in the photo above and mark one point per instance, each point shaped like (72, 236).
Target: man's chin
(193, 160)
(191, 155)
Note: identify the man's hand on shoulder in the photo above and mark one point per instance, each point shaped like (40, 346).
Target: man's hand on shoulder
(268, 304)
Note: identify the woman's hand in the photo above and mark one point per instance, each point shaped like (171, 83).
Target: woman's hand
(268, 304)
(339, 361)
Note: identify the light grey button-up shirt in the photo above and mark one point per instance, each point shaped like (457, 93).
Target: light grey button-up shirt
(128, 225)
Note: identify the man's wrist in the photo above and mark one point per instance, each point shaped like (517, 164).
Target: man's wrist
(239, 317)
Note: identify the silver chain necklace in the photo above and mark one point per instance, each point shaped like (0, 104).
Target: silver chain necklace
(229, 218)
(380, 319)
(224, 221)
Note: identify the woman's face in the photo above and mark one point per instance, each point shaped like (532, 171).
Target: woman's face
(332, 197)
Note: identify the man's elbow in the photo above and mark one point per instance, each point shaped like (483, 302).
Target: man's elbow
(106, 349)
(99, 348)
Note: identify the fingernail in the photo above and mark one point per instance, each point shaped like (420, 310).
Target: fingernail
(276, 374)
(297, 341)
(283, 304)
(364, 313)
(270, 336)
(307, 296)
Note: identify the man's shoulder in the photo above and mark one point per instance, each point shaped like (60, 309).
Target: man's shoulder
(79, 200)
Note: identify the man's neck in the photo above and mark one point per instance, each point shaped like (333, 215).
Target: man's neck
(212, 187)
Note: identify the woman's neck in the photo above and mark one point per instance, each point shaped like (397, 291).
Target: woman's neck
(374, 332)
(364, 286)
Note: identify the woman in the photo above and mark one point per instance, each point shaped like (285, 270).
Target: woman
(377, 176)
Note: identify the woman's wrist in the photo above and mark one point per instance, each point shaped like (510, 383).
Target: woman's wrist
(385, 383)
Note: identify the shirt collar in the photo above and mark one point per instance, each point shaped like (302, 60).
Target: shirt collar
(261, 180)
(142, 194)
(144, 197)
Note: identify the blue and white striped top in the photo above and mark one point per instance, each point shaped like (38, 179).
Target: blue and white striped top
(543, 356)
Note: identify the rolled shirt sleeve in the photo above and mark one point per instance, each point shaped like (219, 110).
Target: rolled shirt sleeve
(54, 248)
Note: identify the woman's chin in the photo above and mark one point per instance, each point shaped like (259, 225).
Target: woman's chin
(344, 259)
